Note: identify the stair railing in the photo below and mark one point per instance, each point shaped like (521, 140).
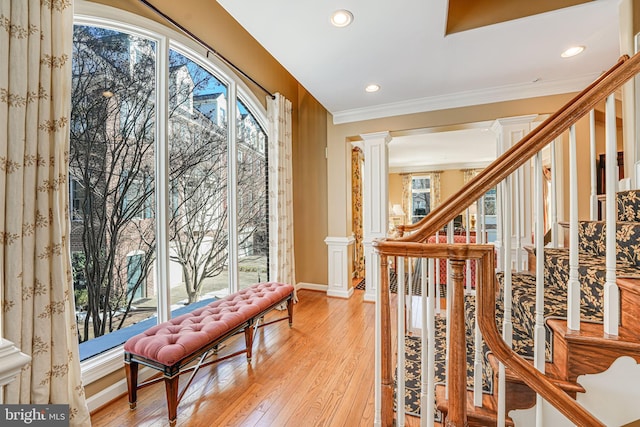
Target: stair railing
(413, 245)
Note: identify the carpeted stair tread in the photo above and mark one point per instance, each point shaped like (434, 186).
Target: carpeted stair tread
(628, 205)
(592, 241)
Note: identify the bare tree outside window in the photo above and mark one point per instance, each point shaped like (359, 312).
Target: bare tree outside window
(112, 176)
(112, 149)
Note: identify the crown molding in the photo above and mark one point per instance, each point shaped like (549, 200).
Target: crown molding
(464, 99)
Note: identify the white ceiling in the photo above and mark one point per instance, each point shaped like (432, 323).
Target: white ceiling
(442, 149)
(401, 45)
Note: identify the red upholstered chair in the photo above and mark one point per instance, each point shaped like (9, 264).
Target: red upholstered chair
(458, 238)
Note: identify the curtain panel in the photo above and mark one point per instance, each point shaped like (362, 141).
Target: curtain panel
(35, 101)
(281, 260)
(357, 158)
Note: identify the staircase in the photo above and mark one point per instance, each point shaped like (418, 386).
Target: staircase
(480, 376)
(569, 354)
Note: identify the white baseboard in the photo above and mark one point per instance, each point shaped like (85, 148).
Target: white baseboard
(312, 286)
(340, 294)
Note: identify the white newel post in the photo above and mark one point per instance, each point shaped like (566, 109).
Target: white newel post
(339, 281)
(508, 132)
(375, 201)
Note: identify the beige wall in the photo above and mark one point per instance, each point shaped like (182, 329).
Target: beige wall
(395, 189)
(450, 182)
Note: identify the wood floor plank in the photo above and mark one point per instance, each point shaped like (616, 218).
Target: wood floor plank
(320, 372)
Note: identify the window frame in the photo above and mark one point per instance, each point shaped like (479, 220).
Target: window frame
(98, 15)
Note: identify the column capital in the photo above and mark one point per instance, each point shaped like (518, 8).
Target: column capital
(384, 135)
(503, 122)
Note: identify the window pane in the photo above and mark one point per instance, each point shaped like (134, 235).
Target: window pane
(253, 236)
(420, 197)
(111, 160)
(199, 236)
(420, 208)
(420, 183)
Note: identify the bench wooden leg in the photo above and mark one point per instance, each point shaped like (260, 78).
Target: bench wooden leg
(290, 310)
(131, 370)
(171, 386)
(248, 338)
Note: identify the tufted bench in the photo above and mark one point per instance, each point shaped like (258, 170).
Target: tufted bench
(170, 346)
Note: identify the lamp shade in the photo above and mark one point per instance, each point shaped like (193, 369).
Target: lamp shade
(397, 210)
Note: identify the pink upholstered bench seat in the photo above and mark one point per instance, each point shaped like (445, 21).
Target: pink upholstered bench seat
(171, 347)
(170, 342)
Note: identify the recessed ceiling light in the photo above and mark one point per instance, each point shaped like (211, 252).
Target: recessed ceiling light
(341, 18)
(572, 51)
(372, 88)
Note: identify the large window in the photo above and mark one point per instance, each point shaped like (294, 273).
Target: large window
(142, 156)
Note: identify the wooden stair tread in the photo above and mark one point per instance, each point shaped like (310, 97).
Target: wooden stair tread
(630, 284)
(550, 370)
(593, 333)
(486, 415)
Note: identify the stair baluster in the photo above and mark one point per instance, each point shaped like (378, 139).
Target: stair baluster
(611, 293)
(593, 200)
(573, 286)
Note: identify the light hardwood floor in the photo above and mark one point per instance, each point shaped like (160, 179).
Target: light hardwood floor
(318, 373)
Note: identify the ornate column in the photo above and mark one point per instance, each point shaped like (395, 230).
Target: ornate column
(375, 204)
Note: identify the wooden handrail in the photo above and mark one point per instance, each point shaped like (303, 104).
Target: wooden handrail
(521, 152)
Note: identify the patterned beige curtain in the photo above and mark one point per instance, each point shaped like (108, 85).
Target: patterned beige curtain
(357, 157)
(406, 197)
(281, 261)
(435, 188)
(35, 102)
(469, 174)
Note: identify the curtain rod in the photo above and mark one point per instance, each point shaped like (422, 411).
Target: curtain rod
(205, 45)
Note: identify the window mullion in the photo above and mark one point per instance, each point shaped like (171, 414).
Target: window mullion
(232, 186)
(162, 181)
